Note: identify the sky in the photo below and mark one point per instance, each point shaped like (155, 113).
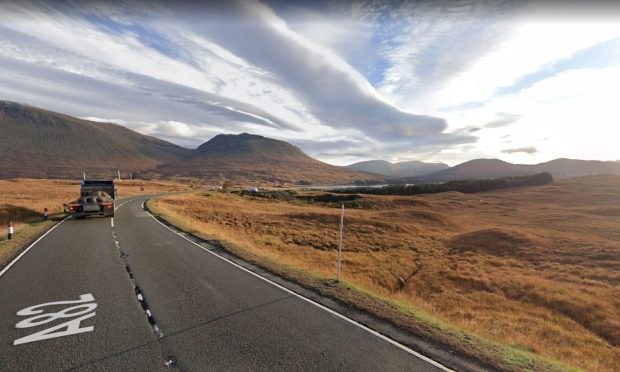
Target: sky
(346, 81)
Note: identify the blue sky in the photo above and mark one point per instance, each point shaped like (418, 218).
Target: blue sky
(346, 81)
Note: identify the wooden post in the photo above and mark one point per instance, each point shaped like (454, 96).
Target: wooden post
(340, 244)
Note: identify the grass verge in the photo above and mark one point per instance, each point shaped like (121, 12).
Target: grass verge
(418, 323)
(24, 234)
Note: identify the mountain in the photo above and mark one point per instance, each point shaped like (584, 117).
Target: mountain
(494, 168)
(381, 167)
(42, 144)
(249, 146)
(250, 158)
(564, 168)
(37, 143)
(398, 170)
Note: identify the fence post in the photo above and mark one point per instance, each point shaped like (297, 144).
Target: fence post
(340, 243)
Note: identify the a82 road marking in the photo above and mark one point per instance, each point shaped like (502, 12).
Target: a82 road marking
(79, 313)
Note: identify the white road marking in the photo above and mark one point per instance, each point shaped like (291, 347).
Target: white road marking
(71, 327)
(112, 221)
(125, 202)
(30, 246)
(349, 320)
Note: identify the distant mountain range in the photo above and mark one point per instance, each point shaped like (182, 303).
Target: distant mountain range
(398, 170)
(37, 143)
(494, 168)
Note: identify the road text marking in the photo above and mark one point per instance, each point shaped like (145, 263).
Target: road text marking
(79, 313)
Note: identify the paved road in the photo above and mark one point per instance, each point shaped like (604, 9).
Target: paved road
(205, 313)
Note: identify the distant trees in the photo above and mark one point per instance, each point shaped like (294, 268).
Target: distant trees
(465, 186)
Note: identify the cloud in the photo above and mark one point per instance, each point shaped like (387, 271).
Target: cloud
(525, 150)
(230, 68)
(343, 81)
(503, 119)
(331, 90)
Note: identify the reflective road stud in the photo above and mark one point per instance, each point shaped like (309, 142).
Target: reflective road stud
(10, 230)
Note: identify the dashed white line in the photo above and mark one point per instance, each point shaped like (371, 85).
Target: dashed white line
(30, 246)
(112, 221)
(349, 320)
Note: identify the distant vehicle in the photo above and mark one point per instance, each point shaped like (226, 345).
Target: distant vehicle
(97, 198)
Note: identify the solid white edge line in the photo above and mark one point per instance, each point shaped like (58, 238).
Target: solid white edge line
(30, 246)
(369, 330)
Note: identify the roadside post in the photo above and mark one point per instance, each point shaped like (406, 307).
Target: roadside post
(10, 230)
(45, 214)
(340, 243)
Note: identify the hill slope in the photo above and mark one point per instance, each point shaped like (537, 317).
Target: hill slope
(43, 144)
(494, 168)
(251, 158)
(398, 170)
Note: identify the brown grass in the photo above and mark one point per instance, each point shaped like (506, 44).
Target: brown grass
(536, 269)
(23, 201)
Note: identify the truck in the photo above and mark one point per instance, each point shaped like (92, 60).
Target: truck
(97, 198)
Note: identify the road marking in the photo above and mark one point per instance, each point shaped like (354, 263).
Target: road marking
(30, 246)
(139, 296)
(337, 314)
(79, 313)
(125, 202)
(112, 221)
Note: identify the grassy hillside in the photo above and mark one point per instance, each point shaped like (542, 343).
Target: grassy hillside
(255, 160)
(39, 144)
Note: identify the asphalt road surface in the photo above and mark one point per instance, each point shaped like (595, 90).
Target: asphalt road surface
(79, 299)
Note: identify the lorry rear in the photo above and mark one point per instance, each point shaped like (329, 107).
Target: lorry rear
(97, 198)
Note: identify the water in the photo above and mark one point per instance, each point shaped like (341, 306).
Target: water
(340, 187)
